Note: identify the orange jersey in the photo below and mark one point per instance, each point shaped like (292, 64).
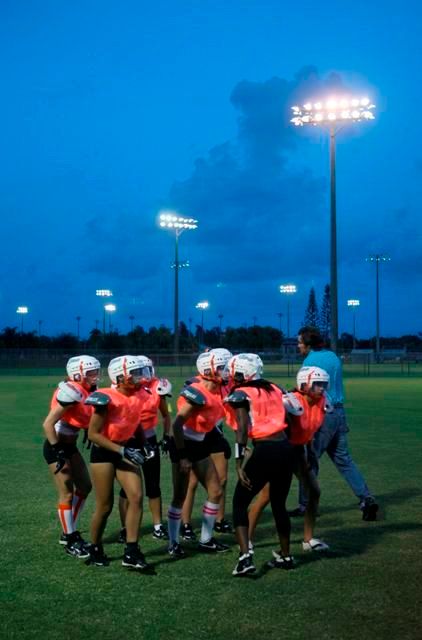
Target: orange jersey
(266, 411)
(149, 413)
(78, 414)
(303, 428)
(122, 418)
(207, 415)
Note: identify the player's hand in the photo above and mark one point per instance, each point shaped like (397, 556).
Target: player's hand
(243, 479)
(134, 456)
(60, 457)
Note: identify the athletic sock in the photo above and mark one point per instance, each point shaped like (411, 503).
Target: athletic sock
(66, 518)
(209, 515)
(78, 503)
(174, 516)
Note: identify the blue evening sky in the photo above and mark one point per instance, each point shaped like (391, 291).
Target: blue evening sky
(111, 111)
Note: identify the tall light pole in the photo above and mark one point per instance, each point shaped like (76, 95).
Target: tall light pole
(110, 308)
(131, 318)
(334, 113)
(377, 258)
(202, 306)
(288, 290)
(22, 312)
(78, 320)
(177, 224)
(104, 293)
(280, 315)
(353, 304)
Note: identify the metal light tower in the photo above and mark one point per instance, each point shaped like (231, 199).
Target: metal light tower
(202, 306)
(334, 113)
(353, 304)
(177, 224)
(288, 290)
(110, 308)
(104, 293)
(22, 312)
(377, 258)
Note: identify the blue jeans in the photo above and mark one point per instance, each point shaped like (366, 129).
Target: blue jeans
(332, 438)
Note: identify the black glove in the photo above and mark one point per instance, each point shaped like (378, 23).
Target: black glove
(60, 457)
(133, 455)
(165, 445)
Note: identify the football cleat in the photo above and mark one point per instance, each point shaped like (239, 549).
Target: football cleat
(369, 509)
(224, 526)
(176, 551)
(187, 533)
(244, 565)
(63, 538)
(212, 546)
(97, 556)
(135, 559)
(280, 561)
(160, 533)
(76, 546)
(315, 545)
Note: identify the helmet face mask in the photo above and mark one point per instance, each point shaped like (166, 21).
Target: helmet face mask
(127, 370)
(211, 364)
(84, 369)
(313, 381)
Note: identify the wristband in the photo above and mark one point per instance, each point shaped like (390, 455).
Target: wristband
(239, 451)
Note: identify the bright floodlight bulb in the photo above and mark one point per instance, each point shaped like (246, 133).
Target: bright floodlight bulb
(364, 102)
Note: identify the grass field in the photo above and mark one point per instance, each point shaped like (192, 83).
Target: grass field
(367, 587)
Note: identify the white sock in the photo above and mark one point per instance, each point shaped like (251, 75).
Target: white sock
(78, 503)
(66, 518)
(209, 515)
(174, 516)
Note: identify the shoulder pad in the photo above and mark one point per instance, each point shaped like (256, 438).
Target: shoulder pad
(164, 387)
(98, 399)
(291, 404)
(236, 397)
(194, 396)
(328, 405)
(69, 393)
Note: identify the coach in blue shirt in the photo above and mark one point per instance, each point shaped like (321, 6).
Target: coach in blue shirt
(332, 436)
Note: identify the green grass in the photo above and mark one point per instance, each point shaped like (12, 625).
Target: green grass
(368, 587)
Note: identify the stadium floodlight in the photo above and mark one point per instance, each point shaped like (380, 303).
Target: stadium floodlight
(177, 224)
(334, 112)
(104, 293)
(203, 306)
(353, 303)
(377, 258)
(22, 312)
(288, 290)
(110, 308)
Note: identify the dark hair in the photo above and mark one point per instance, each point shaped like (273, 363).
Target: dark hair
(312, 337)
(261, 383)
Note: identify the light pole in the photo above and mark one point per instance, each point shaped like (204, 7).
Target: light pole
(334, 112)
(377, 258)
(280, 315)
(288, 290)
(131, 318)
(178, 224)
(22, 311)
(353, 304)
(202, 306)
(104, 293)
(110, 308)
(39, 328)
(78, 320)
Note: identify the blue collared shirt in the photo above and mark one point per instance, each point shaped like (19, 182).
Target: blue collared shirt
(328, 360)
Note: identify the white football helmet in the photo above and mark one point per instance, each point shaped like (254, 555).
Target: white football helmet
(311, 375)
(127, 369)
(78, 367)
(147, 362)
(211, 364)
(245, 367)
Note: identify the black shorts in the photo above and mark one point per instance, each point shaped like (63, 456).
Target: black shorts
(217, 443)
(49, 453)
(195, 451)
